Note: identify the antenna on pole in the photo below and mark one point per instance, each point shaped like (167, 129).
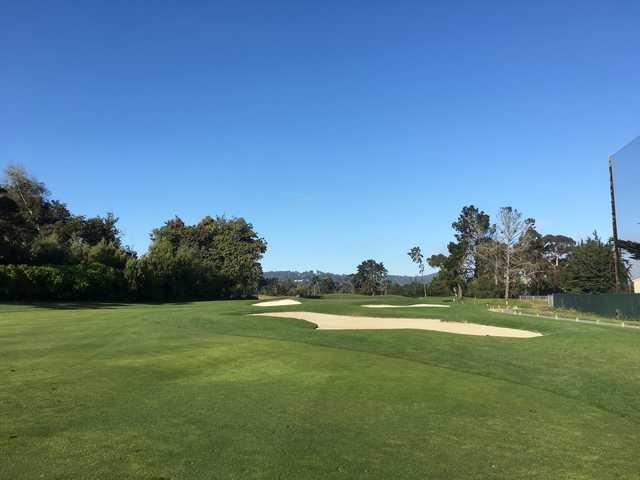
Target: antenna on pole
(614, 225)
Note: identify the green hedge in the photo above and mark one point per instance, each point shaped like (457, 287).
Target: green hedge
(61, 282)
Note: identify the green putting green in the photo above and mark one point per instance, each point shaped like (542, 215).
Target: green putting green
(204, 391)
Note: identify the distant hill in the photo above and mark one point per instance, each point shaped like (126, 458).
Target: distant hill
(308, 275)
(404, 279)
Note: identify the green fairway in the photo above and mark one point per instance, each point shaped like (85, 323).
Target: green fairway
(204, 391)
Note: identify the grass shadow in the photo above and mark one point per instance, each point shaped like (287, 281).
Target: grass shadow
(76, 305)
(88, 305)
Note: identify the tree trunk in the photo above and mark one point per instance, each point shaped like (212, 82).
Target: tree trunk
(26, 205)
(496, 267)
(507, 275)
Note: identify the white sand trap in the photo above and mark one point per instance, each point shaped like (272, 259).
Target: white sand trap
(277, 303)
(326, 321)
(415, 305)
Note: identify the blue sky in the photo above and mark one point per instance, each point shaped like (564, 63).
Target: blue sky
(342, 130)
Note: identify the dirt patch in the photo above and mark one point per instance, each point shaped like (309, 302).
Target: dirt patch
(277, 303)
(326, 321)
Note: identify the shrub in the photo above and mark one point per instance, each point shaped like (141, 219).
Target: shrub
(61, 282)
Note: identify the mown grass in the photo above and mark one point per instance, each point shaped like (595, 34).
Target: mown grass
(203, 391)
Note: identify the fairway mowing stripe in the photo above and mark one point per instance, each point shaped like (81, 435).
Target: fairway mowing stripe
(319, 343)
(416, 305)
(577, 399)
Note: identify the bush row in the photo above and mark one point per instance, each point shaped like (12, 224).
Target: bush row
(141, 280)
(93, 281)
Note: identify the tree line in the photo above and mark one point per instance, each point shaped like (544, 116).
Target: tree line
(511, 257)
(49, 253)
(505, 258)
(371, 278)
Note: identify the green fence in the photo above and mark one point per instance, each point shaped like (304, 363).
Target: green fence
(622, 305)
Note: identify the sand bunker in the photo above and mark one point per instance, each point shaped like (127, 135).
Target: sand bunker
(416, 305)
(277, 303)
(326, 321)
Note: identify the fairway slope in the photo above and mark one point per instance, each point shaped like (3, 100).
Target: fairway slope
(202, 390)
(415, 305)
(326, 321)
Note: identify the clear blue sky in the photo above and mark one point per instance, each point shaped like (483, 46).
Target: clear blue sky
(342, 130)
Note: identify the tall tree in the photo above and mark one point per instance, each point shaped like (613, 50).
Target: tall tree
(416, 257)
(315, 286)
(472, 228)
(93, 230)
(511, 228)
(37, 229)
(29, 194)
(231, 247)
(234, 247)
(328, 285)
(590, 267)
(371, 277)
(557, 248)
(15, 233)
(489, 258)
(532, 265)
(451, 269)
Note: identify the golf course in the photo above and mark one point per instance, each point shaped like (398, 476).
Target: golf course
(210, 390)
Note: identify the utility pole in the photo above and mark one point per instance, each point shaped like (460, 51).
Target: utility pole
(614, 225)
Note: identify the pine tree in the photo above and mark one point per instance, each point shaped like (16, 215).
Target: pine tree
(590, 268)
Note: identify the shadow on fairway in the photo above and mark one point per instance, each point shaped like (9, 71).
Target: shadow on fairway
(95, 305)
(78, 305)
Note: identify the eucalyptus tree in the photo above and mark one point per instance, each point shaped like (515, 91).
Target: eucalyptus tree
(27, 192)
(557, 249)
